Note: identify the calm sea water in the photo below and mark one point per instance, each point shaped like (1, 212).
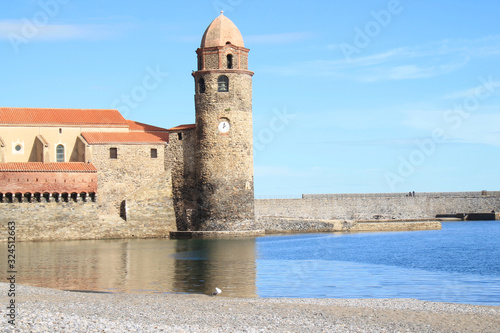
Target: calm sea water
(460, 263)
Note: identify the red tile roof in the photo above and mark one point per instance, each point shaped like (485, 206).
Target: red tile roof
(47, 167)
(136, 126)
(39, 116)
(182, 127)
(132, 137)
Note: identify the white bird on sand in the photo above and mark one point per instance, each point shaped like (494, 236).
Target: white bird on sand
(216, 292)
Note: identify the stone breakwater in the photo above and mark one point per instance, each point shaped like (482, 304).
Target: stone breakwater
(49, 310)
(379, 206)
(273, 224)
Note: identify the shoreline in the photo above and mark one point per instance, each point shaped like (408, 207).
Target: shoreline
(43, 309)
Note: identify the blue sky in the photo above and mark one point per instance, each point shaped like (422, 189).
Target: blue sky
(349, 96)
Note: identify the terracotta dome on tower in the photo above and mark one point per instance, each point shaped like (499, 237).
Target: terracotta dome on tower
(220, 32)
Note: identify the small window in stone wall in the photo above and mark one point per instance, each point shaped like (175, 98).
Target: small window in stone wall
(113, 153)
(223, 83)
(179, 136)
(154, 153)
(229, 61)
(201, 85)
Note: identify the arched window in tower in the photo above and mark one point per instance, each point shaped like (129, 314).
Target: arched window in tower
(201, 85)
(230, 61)
(223, 83)
(60, 153)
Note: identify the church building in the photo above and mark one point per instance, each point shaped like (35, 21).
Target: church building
(196, 177)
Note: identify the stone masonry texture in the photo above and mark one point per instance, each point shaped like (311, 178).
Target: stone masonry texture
(379, 206)
(47, 221)
(224, 161)
(118, 177)
(181, 153)
(152, 207)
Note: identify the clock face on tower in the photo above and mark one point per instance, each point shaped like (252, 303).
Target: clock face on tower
(224, 126)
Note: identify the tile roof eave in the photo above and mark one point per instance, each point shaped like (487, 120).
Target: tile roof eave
(64, 125)
(182, 127)
(131, 138)
(135, 126)
(69, 167)
(128, 143)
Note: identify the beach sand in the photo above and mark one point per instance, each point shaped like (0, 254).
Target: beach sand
(49, 310)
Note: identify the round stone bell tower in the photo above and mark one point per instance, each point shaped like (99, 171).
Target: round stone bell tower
(224, 139)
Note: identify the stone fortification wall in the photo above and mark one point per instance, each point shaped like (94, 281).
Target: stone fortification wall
(400, 195)
(118, 177)
(379, 206)
(152, 207)
(297, 225)
(51, 220)
(44, 221)
(181, 155)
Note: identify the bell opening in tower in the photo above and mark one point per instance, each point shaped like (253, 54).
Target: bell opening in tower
(223, 83)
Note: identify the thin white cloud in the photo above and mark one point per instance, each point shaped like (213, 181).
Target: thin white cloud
(462, 94)
(26, 30)
(283, 38)
(479, 129)
(478, 126)
(489, 86)
(409, 71)
(423, 61)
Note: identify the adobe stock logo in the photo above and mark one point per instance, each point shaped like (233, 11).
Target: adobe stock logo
(140, 92)
(280, 120)
(454, 119)
(31, 28)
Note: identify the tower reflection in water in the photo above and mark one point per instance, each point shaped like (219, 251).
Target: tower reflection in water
(182, 266)
(229, 264)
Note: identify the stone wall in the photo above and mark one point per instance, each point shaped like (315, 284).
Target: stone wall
(152, 207)
(51, 220)
(133, 168)
(181, 157)
(63, 205)
(216, 57)
(211, 60)
(224, 161)
(297, 225)
(45, 221)
(379, 206)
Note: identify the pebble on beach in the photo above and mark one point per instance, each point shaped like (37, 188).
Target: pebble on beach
(50, 310)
